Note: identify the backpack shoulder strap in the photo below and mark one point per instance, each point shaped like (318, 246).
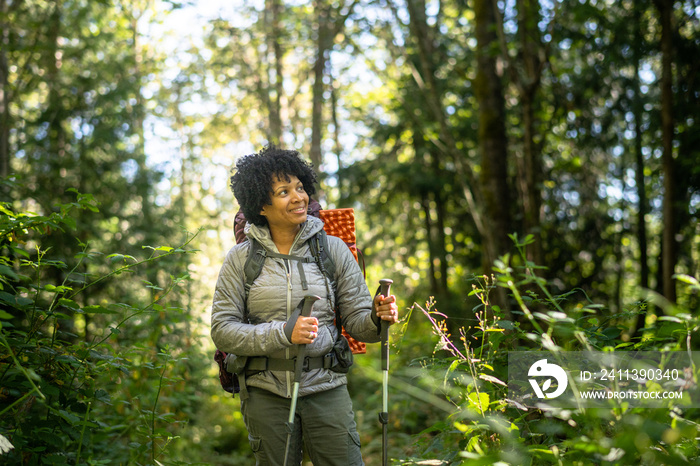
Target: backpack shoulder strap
(253, 264)
(319, 250)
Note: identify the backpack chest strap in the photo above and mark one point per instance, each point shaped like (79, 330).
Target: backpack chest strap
(299, 260)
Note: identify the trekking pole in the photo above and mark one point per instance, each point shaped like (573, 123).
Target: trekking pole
(308, 303)
(384, 287)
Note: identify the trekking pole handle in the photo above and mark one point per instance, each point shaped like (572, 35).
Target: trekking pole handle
(385, 290)
(309, 301)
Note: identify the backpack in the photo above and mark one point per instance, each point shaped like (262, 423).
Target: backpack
(340, 222)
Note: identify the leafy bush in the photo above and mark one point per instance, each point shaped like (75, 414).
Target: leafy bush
(466, 380)
(87, 380)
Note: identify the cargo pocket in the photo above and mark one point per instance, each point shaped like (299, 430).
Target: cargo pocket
(256, 446)
(354, 452)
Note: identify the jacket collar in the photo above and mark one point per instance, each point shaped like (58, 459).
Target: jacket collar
(309, 228)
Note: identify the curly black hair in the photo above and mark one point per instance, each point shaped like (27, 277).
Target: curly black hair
(252, 181)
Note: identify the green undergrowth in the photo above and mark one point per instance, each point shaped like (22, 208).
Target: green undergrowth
(464, 381)
(94, 345)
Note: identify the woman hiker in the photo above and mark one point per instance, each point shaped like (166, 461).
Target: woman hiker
(272, 188)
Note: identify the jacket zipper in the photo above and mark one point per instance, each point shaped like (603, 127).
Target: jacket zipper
(288, 269)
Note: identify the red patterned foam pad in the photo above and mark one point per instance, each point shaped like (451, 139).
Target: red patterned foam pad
(341, 223)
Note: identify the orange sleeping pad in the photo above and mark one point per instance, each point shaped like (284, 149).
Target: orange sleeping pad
(341, 223)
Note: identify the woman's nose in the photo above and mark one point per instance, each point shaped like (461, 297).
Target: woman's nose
(297, 196)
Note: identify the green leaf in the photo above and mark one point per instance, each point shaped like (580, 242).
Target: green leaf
(18, 302)
(688, 279)
(97, 309)
(69, 303)
(103, 396)
(159, 248)
(20, 252)
(8, 272)
(70, 221)
(479, 401)
(71, 418)
(57, 289)
(611, 333)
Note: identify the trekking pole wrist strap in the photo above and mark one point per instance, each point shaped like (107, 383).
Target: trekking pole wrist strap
(291, 322)
(375, 318)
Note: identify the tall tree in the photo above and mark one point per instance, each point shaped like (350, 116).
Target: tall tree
(330, 21)
(4, 91)
(273, 10)
(669, 231)
(488, 90)
(525, 70)
(640, 182)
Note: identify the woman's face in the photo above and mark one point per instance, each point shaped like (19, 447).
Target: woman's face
(289, 203)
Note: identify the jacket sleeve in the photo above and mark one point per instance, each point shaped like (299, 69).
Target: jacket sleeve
(353, 296)
(229, 328)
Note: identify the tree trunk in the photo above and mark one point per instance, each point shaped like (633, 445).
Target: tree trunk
(323, 43)
(640, 182)
(336, 140)
(440, 236)
(143, 185)
(492, 144)
(530, 176)
(669, 241)
(492, 138)
(4, 93)
(432, 275)
(274, 44)
(528, 84)
(55, 113)
(330, 22)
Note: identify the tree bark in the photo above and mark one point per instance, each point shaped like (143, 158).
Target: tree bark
(432, 275)
(668, 163)
(323, 42)
(639, 177)
(492, 138)
(5, 165)
(330, 22)
(336, 140)
(274, 44)
(528, 84)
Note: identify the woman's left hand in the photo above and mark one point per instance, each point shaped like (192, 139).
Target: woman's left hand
(386, 308)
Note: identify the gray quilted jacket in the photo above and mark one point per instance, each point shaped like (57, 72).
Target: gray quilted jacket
(272, 298)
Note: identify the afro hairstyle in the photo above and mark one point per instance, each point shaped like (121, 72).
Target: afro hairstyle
(252, 181)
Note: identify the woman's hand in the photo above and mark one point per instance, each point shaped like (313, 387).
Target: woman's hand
(386, 308)
(305, 330)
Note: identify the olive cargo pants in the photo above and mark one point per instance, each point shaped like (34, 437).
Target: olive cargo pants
(324, 423)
